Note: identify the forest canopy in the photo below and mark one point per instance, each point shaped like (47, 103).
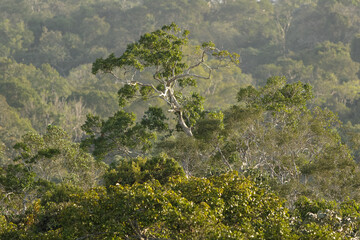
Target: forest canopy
(190, 119)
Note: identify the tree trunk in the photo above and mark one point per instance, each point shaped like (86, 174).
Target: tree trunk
(183, 125)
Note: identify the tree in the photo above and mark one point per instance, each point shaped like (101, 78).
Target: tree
(284, 14)
(18, 188)
(272, 129)
(272, 132)
(54, 157)
(12, 127)
(42, 163)
(355, 48)
(14, 37)
(162, 53)
(140, 170)
(245, 23)
(93, 28)
(224, 207)
(119, 134)
(320, 219)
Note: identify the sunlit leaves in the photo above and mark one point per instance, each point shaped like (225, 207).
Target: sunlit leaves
(140, 170)
(227, 206)
(276, 95)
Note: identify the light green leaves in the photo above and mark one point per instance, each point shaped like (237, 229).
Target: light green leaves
(162, 53)
(276, 95)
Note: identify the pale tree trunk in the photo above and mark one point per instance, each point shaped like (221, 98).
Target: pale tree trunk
(184, 127)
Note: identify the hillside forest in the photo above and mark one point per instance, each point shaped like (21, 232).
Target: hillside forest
(186, 119)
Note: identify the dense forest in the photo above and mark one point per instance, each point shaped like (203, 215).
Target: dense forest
(186, 119)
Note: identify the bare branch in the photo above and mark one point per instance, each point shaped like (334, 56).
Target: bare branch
(198, 63)
(224, 158)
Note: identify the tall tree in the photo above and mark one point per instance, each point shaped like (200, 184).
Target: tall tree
(162, 53)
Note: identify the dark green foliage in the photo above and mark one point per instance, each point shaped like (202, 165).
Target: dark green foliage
(59, 193)
(140, 170)
(272, 131)
(279, 113)
(209, 126)
(152, 48)
(355, 49)
(283, 135)
(16, 94)
(127, 92)
(118, 134)
(184, 82)
(154, 119)
(17, 178)
(146, 91)
(101, 103)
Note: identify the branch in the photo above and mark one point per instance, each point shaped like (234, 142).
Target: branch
(132, 82)
(198, 64)
(156, 73)
(121, 80)
(136, 229)
(175, 105)
(187, 71)
(189, 75)
(183, 125)
(224, 158)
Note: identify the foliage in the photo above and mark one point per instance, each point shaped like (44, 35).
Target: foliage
(55, 158)
(284, 135)
(119, 134)
(322, 219)
(12, 126)
(272, 129)
(140, 170)
(225, 206)
(162, 52)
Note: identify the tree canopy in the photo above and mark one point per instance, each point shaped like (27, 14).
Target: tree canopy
(188, 119)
